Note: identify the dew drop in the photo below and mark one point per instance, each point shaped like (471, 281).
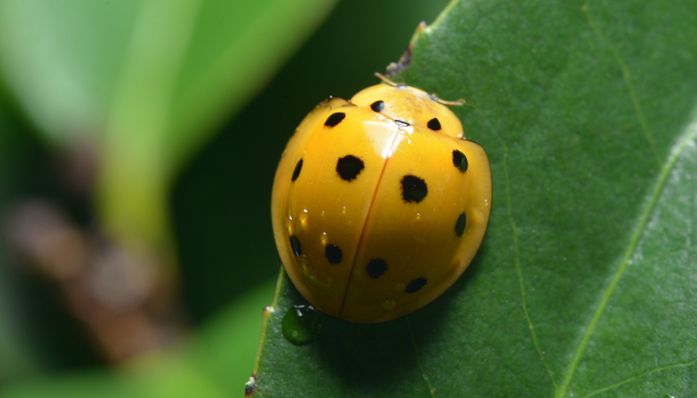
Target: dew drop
(303, 218)
(477, 217)
(302, 261)
(388, 305)
(323, 239)
(268, 310)
(289, 225)
(250, 386)
(343, 209)
(301, 324)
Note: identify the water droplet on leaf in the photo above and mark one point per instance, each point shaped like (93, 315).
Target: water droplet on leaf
(301, 324)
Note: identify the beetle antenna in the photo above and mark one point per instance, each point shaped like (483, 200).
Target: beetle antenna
(433, 96)
(387, 80)
(458, 102)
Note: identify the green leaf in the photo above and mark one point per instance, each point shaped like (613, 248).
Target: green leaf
(71, 62)
(216, 363)
(60, 60)
(585, 285)
(143, 80)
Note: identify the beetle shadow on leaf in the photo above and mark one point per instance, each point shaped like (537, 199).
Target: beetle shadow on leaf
(370, 358)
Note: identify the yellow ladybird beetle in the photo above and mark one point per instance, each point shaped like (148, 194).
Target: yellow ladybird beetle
(379, 203)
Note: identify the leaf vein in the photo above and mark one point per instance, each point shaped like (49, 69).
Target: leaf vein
(640, 375)
(627, 79)
(519, 272)
(637, 232)
(431, 388)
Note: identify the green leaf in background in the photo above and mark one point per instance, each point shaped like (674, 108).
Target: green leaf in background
(214, 364)
(145, 80)
(585, 285)
(68, 61)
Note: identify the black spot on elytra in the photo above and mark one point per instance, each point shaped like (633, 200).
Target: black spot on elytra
(296, 171)
(334, 119)
(460, 224)
(349, 167)
(376, 267)
(433, 124)
(378, 106)
(415, 285)
(333, 253)
(414, 189)
(460, 160)
(295, 245)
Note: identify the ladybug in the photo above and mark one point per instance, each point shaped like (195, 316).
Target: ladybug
(379, 203)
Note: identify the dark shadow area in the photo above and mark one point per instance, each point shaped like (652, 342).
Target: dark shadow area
(376, 356)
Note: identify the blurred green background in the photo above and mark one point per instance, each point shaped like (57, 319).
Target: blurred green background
(151, 129)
